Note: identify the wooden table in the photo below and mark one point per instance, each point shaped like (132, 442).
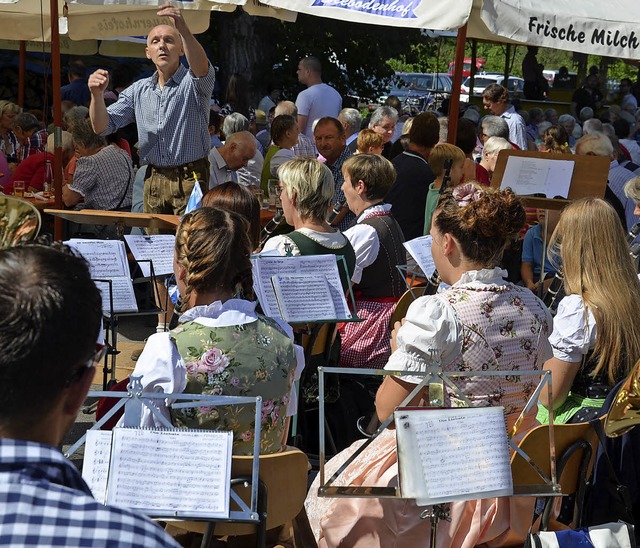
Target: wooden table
(119, 218)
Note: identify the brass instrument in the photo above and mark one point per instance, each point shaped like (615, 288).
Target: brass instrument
(624, 412)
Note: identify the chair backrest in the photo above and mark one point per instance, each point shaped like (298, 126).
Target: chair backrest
(400, 311)
(285, 477)
(19, 221)
(536, 444)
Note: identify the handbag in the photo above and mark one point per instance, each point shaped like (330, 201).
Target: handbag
(608, 535)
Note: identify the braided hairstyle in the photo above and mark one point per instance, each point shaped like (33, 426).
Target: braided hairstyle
(213, 247)
(484, 221)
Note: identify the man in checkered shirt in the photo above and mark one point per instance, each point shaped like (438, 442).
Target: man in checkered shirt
(50, 312)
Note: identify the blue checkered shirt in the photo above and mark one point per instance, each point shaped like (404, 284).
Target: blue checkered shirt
(45, 502)
(338, 196)
(618, 176)
(173, 121)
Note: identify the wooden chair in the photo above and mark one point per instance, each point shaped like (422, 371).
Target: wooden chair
(400, 311)
(576, 446)
(283, 488)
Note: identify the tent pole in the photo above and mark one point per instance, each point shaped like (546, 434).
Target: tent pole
(22, 67)
(56, 83)
(454, 104)
(473, 69)
(507, 62)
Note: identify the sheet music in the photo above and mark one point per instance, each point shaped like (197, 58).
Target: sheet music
(124, 298)
(453, 454)
(95, 465)
(158, 248)
(527, 176)
(171, 472)
(264, 268)
(106, 258)
(420, 249)
(304, 298)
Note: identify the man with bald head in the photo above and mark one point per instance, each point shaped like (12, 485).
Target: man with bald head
(171, 110)
(238, 149)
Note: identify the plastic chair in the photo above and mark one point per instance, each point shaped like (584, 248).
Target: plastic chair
(283, 488)
(19, 221)
(576, 446)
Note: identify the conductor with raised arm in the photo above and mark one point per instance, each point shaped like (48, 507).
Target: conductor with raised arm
(171, 110)
(50, 311)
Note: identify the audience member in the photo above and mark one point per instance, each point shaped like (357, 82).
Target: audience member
(9, 142)
(226, 160)
(401, 144)
(52, 313)
(331, 143)
(271, 99)
(305, 147)
(532, 250)
(284, 134)
(568, 122)
(369, 142)
(467, 140)
(383, 121)
(248, 175)
(31, 139)
(76, 90)
(351, 121)
(319, 100)
(490, 152)
(377, 241)
(592, 125)
(556, 141)
(236, 100)
(496, 100)
(408, 195)
(589, 95)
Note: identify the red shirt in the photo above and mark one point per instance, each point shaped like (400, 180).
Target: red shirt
(31, 171)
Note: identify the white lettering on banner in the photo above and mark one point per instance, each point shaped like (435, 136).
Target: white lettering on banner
(394, 8)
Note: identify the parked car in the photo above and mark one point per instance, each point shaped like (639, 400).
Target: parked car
(466, 66)
(481, 81)
(419, 91)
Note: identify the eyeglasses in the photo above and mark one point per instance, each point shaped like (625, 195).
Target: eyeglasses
(279, 189)
(93, 361)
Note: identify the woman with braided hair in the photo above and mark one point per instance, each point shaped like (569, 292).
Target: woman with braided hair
(221, 346)
(480, 322)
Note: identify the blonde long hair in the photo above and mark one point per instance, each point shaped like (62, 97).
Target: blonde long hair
(596, 265)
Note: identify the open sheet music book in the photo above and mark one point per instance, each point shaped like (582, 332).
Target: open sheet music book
(446, 455)
(420, 249)
(300, 289)
(108, 261)
(162, 473)
(157, 248)
(540, 176)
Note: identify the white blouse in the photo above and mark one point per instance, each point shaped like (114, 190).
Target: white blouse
(163, 369)
(364, 240)
(574, 330)
(282, 243)
(432, 324)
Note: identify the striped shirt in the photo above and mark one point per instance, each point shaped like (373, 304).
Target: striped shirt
(45, 502)
(173, 120)
(104, 178)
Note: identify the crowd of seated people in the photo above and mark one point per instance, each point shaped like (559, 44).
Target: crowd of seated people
(219, 345)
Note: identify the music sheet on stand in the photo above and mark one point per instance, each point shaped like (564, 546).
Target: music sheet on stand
(420, 249)
(108, 260)
(529, 176)
(161, 472)
(158, 248)
(266, 267)
(447, 455)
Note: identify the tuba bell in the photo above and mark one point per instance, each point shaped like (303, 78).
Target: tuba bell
(624, 413)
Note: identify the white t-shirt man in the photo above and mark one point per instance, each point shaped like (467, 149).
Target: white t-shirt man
(316, 102)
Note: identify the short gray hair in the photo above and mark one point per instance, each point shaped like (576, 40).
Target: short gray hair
(235, 122)
(313, 184)
(381, 113)
(352, 118)
(84, 135)
(496, 144)
(495, 126)
(566, 118)
(596, 143)
(592, 125)
(74, 115)
(26, 121)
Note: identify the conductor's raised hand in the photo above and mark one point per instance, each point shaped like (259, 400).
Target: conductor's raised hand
(173, 12)
(98, 81)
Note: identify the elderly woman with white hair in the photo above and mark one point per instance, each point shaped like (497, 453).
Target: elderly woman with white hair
(632, 191)
(490, 152)
(383, 121)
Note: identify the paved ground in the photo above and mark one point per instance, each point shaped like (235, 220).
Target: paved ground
(132, 331)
